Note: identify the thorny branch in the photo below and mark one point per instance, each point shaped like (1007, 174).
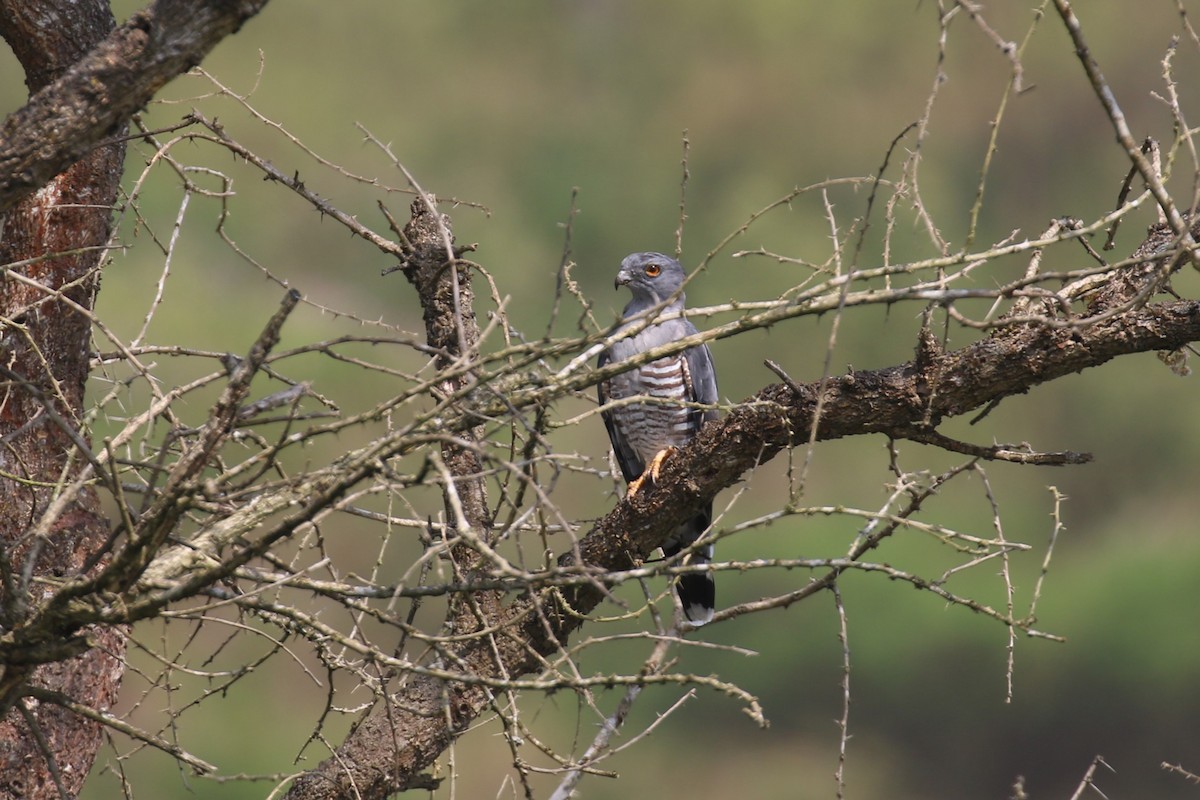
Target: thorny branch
(234, 520)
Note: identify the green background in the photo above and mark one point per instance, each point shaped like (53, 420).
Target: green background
(513, 105)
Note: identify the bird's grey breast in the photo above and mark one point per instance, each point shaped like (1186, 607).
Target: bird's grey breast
(662, 420)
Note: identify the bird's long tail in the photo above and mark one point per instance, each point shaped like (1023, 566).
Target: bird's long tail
(697, 591)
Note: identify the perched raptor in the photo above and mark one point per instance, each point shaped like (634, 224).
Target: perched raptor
(643, 434)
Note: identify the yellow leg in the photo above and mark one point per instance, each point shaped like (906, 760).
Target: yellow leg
(651, 471)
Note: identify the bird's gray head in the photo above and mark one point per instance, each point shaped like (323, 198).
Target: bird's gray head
(652, 277)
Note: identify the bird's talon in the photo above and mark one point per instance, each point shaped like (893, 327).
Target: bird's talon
(657, 462)
(651, 472)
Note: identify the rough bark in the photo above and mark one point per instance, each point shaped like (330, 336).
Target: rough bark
(98, 94)
(46, 751)
(443, 285)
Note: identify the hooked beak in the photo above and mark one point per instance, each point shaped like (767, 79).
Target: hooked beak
(624, 277)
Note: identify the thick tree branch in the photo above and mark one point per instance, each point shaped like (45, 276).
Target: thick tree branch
(97, 96)
(443, 285)
(895, 401)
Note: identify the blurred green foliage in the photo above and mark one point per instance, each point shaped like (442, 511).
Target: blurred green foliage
(513, 105)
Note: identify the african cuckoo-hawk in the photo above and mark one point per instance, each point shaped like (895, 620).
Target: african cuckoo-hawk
(643, 433)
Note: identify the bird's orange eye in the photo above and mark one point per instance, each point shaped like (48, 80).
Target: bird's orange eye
(653, 270)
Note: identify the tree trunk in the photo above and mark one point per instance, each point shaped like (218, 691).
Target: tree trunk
(45, 330)
(57, 188)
